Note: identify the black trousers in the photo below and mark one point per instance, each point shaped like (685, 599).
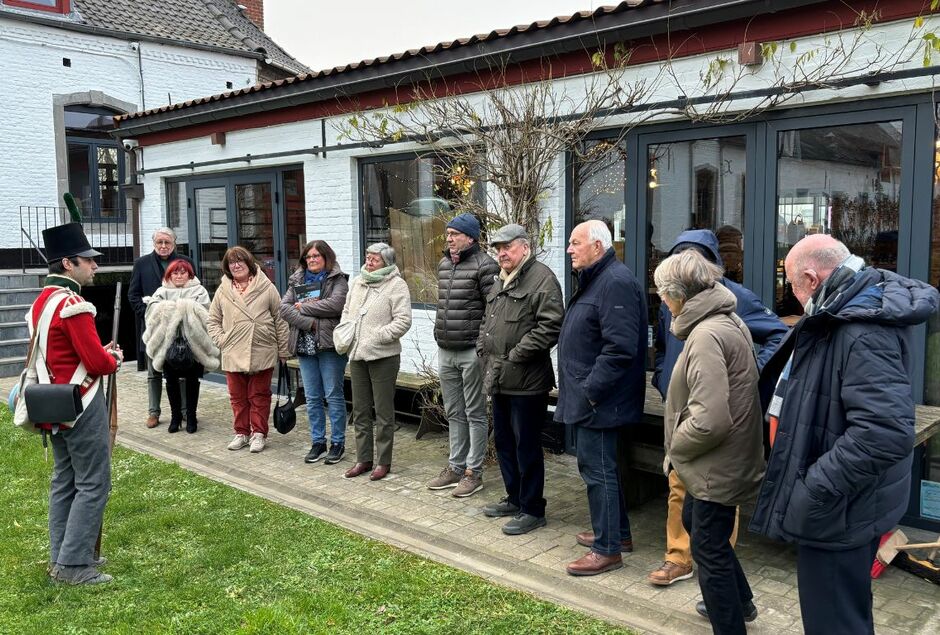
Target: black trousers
(517, 429)
(835, 589)
(720, 577)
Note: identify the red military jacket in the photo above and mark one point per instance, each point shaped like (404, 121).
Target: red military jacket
(72, 338)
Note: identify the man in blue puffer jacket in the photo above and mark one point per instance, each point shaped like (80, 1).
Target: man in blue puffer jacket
(767, 331)
(842, 410)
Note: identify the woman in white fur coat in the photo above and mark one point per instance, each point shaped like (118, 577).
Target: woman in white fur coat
(181, 304)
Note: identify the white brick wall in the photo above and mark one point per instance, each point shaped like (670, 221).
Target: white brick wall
(331, 183)
(32, 71)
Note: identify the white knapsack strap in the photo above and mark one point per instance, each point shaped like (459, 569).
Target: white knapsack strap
(80, 376)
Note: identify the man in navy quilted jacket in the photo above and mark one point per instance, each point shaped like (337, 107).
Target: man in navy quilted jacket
(842, 426)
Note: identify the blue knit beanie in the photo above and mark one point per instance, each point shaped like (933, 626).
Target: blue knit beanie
(466, 223)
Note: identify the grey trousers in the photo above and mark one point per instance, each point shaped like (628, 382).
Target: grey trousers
(81, 483)
(465, 405)
(373, 385)
(155, 389)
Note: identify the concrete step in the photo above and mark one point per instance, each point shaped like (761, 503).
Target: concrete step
(18, 280)
(14, 313)
(18, 296)
(14, 348)
(13, 331)
(12, 366)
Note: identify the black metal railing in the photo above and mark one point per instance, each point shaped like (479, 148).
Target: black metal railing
(114, 238)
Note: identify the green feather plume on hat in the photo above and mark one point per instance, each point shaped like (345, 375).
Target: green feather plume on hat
(74, 212)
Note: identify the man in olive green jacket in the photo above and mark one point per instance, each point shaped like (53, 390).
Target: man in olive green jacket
(521, 325)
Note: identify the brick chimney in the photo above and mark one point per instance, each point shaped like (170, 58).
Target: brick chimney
(254, 10)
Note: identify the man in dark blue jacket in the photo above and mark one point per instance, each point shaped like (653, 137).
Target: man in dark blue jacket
(766, 330)
(842, 427)
(601, 366)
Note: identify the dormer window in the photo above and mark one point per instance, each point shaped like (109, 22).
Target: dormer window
(53, 6)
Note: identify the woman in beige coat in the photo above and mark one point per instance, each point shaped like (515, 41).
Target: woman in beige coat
(713, 428)
(245, 323)
(379, 296)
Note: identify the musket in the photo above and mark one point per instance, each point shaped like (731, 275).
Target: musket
(111, 397)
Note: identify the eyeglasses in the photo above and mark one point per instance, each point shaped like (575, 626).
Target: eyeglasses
(236, 263)
(313, 256)
(163, 242)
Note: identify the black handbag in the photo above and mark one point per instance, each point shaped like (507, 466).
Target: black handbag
(179, 355)
(53, 403)
(285, 417)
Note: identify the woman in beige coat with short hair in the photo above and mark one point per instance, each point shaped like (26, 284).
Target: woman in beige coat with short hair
(245, 323)
(375, 357)
(713, 428)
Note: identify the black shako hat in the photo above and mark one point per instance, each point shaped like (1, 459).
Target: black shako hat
(64, 241)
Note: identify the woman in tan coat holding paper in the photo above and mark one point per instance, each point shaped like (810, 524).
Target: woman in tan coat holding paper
(245, 323)
(380, 299)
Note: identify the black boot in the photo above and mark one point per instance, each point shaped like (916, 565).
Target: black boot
(173, 396)
(192, 400)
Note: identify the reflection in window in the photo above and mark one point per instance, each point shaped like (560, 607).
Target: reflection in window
(695, 184)
(844, 181)
(598, 188)
(407, 203)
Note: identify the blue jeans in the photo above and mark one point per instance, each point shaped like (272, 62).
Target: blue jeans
(597, 463)
(322, 375)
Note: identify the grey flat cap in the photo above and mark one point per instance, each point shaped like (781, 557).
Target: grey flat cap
(507, 234)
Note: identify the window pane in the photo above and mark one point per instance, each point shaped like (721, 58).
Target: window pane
(296, 229)
(932, 378)
(177, 215)
(841, 180)
(211, 212)
(109, 196)
(598, 188)
(254, 209)
(406, 204)
(695, 184)
(80, 177)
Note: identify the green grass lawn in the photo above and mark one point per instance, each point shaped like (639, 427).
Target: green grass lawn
(193, 556)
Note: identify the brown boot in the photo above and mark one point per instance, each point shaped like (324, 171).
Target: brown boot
(670, 572)
(153, 421)
(594, 563)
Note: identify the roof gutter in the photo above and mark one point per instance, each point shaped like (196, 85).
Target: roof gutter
(583, 35)
(125, 35)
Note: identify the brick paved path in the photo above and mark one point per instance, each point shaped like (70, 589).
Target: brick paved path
(399, 510)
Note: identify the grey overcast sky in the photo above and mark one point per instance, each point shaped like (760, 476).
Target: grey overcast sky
(327, 33)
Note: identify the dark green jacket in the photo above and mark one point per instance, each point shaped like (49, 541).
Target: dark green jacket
(519, 329)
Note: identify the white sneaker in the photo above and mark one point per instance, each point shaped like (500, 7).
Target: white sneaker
(238, 442)
(257, 442)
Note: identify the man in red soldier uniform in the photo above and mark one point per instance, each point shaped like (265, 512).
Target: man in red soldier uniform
(81, 479)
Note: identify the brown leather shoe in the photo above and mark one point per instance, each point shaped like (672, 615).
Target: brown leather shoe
(670, 572)
(593, 563)
(586, 539)
(358, 470)
(153, 421)
(380, 472)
